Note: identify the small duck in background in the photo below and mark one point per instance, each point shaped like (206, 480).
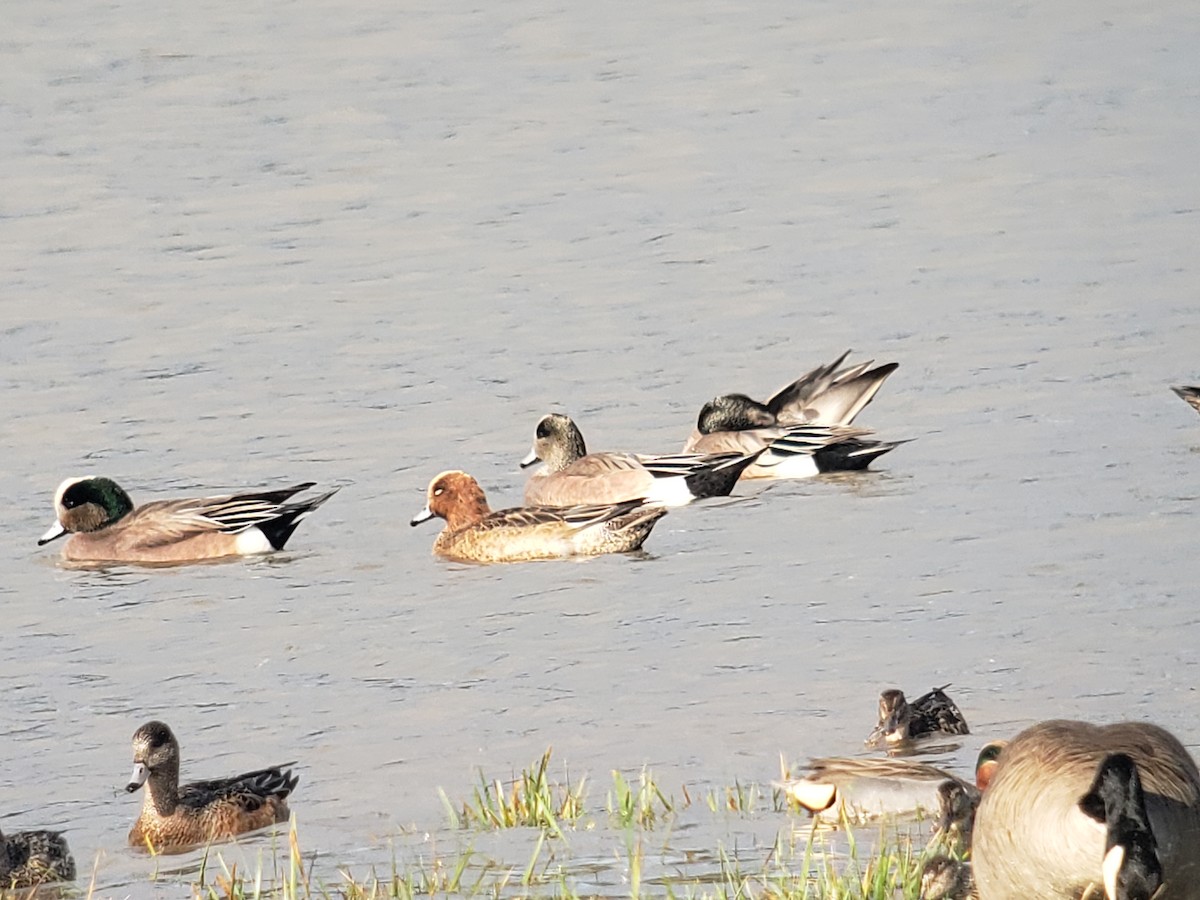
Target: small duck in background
(945, 878)
(32, 858)
(930, 715)
(1132, 870)
(956, 815)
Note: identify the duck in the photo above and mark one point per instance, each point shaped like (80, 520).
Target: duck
(105, 526)
(858, 790)
(930, 715)
(956, 814)
(792, 451)
(474, 533)
(946, 878)
(827, 395)
(571, 476)
(1189, 394)
(175, 817)
(32, 858)
(1131, 867)
(1031, 836)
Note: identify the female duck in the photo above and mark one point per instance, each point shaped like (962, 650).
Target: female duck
(106, 527)
(176, 816)
(30, 858)
(929, 715)
(474, 533)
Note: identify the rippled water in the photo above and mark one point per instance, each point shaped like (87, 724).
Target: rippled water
(245, 245)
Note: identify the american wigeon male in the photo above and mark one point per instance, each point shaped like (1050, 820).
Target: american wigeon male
(828, 395)
(803, 430)
(571, 476)
(176, 816)
(105, 526)
(474, 533)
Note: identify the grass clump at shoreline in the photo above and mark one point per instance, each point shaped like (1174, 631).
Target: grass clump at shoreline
(629, 848)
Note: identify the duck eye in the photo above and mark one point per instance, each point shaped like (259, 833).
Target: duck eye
(543, 430)
(437, 492)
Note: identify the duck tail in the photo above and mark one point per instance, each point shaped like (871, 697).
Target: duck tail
(280, 528)
(852, 455)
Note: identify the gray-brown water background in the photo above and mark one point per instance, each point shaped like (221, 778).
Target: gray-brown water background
(253, 244)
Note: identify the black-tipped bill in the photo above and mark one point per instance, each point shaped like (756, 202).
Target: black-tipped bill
(530, 459)
(423, 516)
(56, 531)
(138, 778)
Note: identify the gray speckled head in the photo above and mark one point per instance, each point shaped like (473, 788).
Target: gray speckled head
(733, 412)
(557, 442)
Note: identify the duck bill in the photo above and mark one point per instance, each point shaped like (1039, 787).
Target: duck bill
(530, 459)
(138, 777)
(56, 531)
(423, 516)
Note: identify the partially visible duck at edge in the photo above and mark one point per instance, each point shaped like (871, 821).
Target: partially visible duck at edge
(930, 715)
(571, 476)
(474, 533)
(178, 816)
(105, 526)
(1189, 394)
(1032, 837)
(31, 858)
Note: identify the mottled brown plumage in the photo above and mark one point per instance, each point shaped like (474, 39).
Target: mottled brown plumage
(474, 533)
(931, 715)
(175, 816)
(30, 858)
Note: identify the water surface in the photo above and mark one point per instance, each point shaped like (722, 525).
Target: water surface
(246, 245)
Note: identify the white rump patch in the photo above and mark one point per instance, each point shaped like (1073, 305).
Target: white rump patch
(670, 492)
(252, 541)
